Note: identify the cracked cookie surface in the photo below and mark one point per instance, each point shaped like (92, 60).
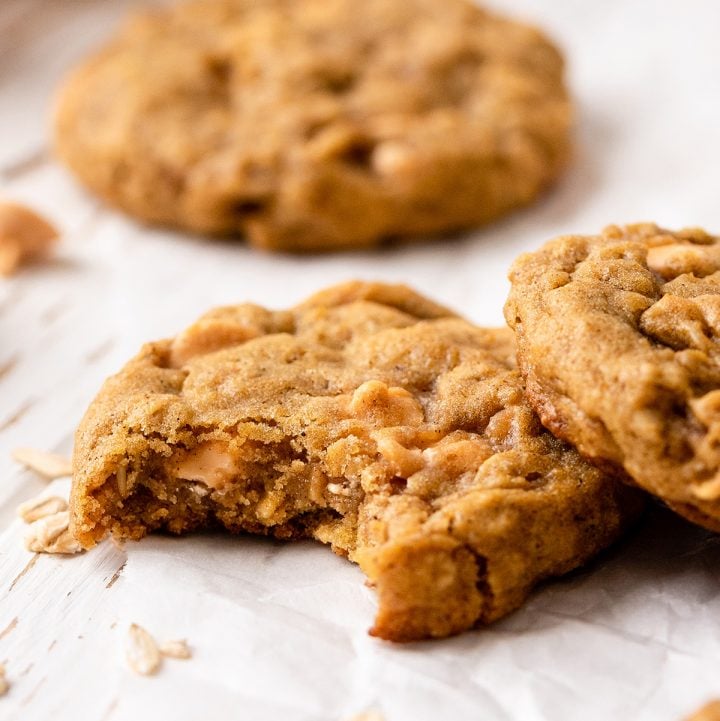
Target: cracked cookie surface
(618, 339)
(318, 124)
(368, 418)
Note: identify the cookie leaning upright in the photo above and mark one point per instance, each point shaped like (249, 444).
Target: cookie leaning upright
(368, 418)
(618, 340)
(318, 124)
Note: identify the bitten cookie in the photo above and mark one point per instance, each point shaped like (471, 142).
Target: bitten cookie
(368, 418)
(618, 340)
(318, 124)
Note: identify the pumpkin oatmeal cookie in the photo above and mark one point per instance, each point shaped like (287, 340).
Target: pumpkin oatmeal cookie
(318, 124)
(368, 418)
(618, 340)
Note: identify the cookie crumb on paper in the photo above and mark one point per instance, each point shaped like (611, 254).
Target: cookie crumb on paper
(176, 649)
(48, 465)
(25, 236)
(4, 683)
(51, 534)
(143, 655)
(40, 507)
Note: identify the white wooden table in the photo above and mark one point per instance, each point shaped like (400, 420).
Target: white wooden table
(279, 631)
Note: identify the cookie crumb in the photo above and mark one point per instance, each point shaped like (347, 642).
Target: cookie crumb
(25, 237)
(143, 654)
(176, 649)
(709, 712)
(4, 685)
(40, 507)
(48, 465)
(51, 534)
(118, 543)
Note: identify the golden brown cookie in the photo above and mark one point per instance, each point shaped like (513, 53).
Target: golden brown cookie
(618, 339)
(318, 124)
(369, 418)
(709, 712)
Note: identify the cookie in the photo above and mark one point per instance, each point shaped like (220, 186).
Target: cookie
(318, 124)
(709, 712)
(368, 418)
(618, 341)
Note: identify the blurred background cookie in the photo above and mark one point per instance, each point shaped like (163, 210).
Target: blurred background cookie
(318, 124)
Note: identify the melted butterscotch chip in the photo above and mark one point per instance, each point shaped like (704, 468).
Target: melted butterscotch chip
(318, 124)
(368, 418)
(622, 358)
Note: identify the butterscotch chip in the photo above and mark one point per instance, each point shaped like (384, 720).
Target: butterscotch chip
(48, 465)
(709, 712)
(368, 418)
(25, 237)
(318, 124)
(618, 339)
